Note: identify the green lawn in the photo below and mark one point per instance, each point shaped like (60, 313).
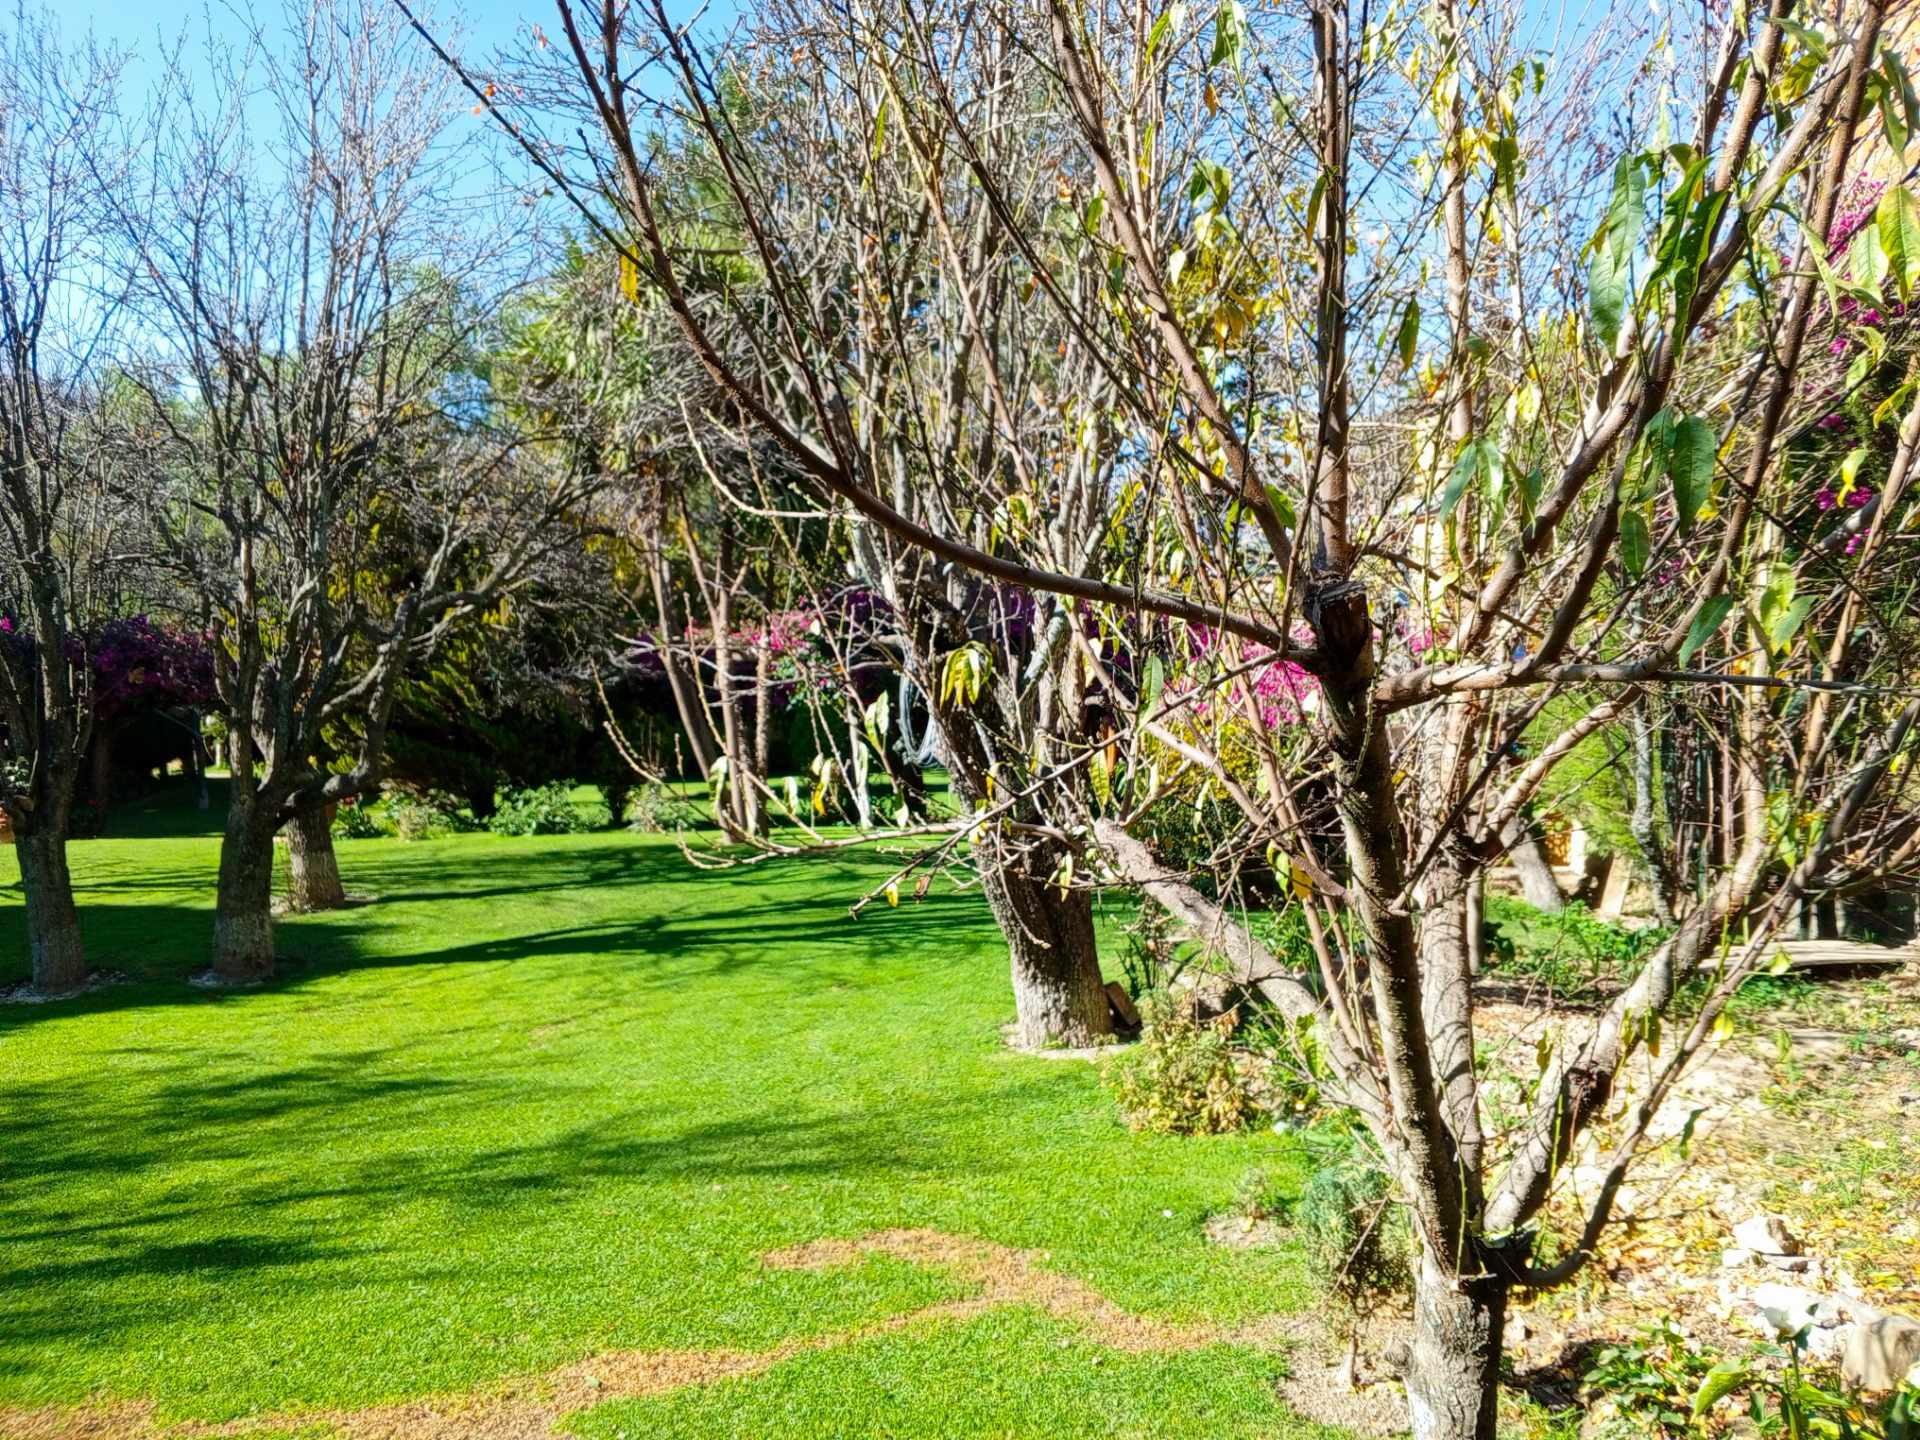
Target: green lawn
(549, 1098)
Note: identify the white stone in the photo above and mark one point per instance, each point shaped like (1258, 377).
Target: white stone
(1879, 1354)
(1766, 1235)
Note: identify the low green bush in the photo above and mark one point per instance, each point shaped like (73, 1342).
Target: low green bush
(1663, 1386)
(1186, 1076)
(359, 822)
(421, 817)
(541, 810)
(1357, 1241)
(1568, 949)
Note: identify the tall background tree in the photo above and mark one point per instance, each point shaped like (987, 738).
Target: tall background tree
(61, 570)
(336, 486)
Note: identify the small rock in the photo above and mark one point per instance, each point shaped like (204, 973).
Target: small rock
(1766, 1235)
(1791, 1264)
(1878, 1355)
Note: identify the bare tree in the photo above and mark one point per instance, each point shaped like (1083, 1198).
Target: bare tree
(336, 487)
(59, 573)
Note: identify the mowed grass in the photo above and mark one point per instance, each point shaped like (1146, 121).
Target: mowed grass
(556, 1096)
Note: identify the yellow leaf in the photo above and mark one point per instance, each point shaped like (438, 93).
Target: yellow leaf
(893, 895)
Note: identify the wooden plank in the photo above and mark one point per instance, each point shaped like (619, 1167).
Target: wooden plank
(1844, 955)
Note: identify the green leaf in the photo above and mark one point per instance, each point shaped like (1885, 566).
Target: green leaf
(1282, 506)
(1634, 542)
(1652, 456)
(1480, 462)
(1891, 405)
(1695, 244)
(1815, 42)
(1100, 772)
(1156, 679)
(1532, 481)
(1409, 333)
(1788, 622)
(1607, 295)
(1704, 624)
(1168, 19)
(1613, 249)
(1898, 219)
(1866, 261)
(1720, 1382)
(1892, 117)
(1902, 84)
(1229, 34)
(1691, 466)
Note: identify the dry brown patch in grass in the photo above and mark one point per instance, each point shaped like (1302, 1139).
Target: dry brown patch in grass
(526, 1408)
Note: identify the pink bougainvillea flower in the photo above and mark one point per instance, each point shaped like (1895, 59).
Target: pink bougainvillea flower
(1826, 500)
(1853, 543)
(1857, 498)
(1834, 421)
(1840, 345)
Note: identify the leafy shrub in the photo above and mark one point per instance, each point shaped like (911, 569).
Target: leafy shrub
(1260, 1195)
(1357, 1241)
(359, 822)
(420, 817)
(540, 810)
(1568, 949)
(1663, 1385)
(654, 808)
(1185, 1077)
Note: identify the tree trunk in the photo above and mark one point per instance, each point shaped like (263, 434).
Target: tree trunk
(682, 679)
(53, 924)
(1453, 1366)
(100, 783)
(312, 868)
(1446, 975)
(1645, 837)
(1059, 998)
(1537, 882)
(243, 911)
(202, 800)
(763, 705)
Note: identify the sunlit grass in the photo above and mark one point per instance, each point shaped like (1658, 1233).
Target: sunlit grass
(556, 1096)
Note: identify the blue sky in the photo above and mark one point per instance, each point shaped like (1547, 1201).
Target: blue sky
(137, 22)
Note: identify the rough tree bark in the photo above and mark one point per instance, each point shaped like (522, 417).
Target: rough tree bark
(53, 923)
(243, 908)
(1537, 881)
(1452, 1361)
(1059, 997)
(313, 870)
(682, 679)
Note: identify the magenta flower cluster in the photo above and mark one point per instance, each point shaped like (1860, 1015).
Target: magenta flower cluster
(1280, 688)
(138, 665)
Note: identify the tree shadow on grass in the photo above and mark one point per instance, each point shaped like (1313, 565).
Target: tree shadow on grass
(221, 1187)
(689, 922)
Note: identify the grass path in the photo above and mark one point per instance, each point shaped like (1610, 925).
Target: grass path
(554, 1098)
